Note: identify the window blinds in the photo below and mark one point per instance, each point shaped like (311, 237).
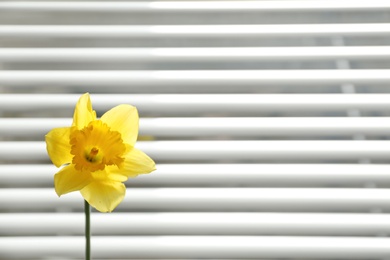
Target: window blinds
(267, 120)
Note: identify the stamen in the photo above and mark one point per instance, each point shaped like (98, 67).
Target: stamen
(92, 154)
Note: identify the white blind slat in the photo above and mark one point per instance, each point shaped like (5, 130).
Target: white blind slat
(220, 175)
(212, 199)
(213, 80)
(195, 6)
(192, 54)
(177, 104)
(216, 126)
(161, 247)
(210, 223)
(228, 150)
(184, 31)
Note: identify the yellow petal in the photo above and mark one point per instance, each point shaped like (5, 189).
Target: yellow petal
(58, 146)
(136, 162)
(124, 119)
(83, 113)
(69, 179)
(111, 174)
(104, 196)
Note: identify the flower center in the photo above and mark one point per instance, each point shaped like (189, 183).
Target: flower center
(91, 157)
(96, 146)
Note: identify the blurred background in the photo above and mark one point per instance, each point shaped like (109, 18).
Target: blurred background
(268, 121)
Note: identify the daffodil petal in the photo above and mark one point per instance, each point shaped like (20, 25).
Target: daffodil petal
(104, 196)
(58, 146)
(83, 113)
(136, 162)
(113, 176)
(124, 119)
(68, 179)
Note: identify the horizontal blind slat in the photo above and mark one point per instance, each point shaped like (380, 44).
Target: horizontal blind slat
(184, 31)
(218, 126)
(176, 104)
(194, 6)
(192, 54)
(20, 224)
(227, 150)
(219, 175)
(211, 199)
(207, 81)
(163, 247)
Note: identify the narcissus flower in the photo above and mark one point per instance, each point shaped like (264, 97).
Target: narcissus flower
(97, 155)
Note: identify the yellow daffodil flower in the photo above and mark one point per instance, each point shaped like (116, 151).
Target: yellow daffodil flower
(97, 155)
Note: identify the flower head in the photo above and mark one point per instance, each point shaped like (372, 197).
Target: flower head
(97, 155)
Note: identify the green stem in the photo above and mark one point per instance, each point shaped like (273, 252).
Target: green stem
(87, 210)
